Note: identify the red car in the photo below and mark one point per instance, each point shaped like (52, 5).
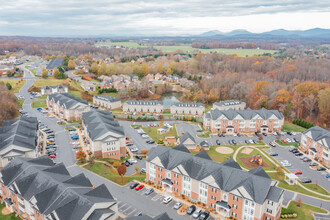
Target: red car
(52, 156)
(139, 187)
(298, 172)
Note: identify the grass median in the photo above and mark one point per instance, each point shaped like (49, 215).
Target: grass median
(303, 211)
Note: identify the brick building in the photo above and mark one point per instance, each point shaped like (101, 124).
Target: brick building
(106, 138)
(224, 187)
(143, 106)
(187, 108)
(239, 121)
(229, 104)
(107, 101)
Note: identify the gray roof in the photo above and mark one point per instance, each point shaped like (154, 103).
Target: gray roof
(320, 135)
(163, 216)
(53, 87)
(204, 144)
(107, 98)
(228, 175)
(186, 136)
(275, 194)
(66, 99)
(54, 63)
(99, 122)
(56, 192)
(21, 132)
(143, 102)
(188, 104)
(247, 114)
(228, 103)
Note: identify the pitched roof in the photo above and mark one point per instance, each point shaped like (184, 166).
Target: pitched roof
(54, 190)
(203, 154)
(54, 63)
(163, 216)
(186, 136)
(320, 135)
(107, 98)
(247, 114)
(143, 102)
(20, 132)
(69, 101)
(100, 122)
(228, 103)
(188, 104)
(228, 175)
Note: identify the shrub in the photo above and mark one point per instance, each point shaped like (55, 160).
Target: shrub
(144, 151)
(294, 215)
(116, 164)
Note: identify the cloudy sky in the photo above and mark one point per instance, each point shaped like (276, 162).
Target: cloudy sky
(154, 17)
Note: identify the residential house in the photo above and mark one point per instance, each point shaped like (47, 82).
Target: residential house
(187, 108)
(67, 106)
(238, 121)
(229, 104)
(163, 130)
(169, 140)
(315, 142)
(105, 137)
(224, 187)
(107, 101)
(18, 138)
(54, 64)
(47, 90)
(40, 189)
(88, 86)
(5, 68)
(143, 106)
(188, 141)
(163, 216)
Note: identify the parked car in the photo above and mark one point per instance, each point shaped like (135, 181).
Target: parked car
(177, 205)
(150, 141)
(298, 172)
(272, 144)
(167, 199)
(197, 213)
(257, 134)
(138, 214)
(230, 142)
(133, 185)
(51, 156)
(273, 154)
(143, 170)
(149, 191)
(294, 151)
(204, 215)
(247, 142)
(234, 142)
(129, 144)
(251, 141)
(295, 140)
(138, 157)
(289, 133)
(217, 142)
(284, 141)
(254, 141)
(137, 188)
(264, 134)
(306, 180)
(328, 175)
(128, 161)
(49, 131)
(298, 154)
(307, 160)
(132, 161)
(313, 164)
(191, 209)
(134, 149)
(321, 169)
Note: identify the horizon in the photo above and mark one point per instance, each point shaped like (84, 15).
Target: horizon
(149, 18)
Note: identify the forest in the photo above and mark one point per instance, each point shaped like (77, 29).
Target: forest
(8, 104)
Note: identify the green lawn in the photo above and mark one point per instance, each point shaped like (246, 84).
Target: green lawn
(188, 49)
(282, 184)
(112, 175)
(206, 134)
(48, 82)
(287, 144)
(152, 132)
(16, 84)
(304, 212)
(287, 126)
(39, 104)
(20, 103)
(75, 93)
(42, 97)
(68, 128)
(271, 165)
(71, 122)
(7, 217)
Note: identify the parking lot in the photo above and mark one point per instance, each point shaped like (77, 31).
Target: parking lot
(129, 210)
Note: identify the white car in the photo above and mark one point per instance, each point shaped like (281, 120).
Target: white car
(251, 141)
(167, 199)
(132, 161)
(287, 164)
(134, 149)
(51, 116)
(197, 213)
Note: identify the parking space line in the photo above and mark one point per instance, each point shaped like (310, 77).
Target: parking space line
(131, 212)
(156, 197)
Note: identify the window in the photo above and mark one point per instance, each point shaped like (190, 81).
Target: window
(176, 175)
(269, 211)
(214, 190)
(168, 175)
(234, 214)
(234, 206)
(267, 218)
(160, 169)
(270, 202)
(235, 198)
(212, 205)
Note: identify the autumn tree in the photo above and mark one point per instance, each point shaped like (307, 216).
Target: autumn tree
(324, 105)
(102, 70)
(136, 168)
(169, 71)
(9, 73)
(44, 73)
(94, 68)
(145, 69)
(81, 156)
(121, 169)
(71, 64)
(56, 73)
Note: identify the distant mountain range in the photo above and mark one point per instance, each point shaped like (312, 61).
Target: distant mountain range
(318, 33)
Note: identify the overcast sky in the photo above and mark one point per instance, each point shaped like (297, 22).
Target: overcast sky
(154, 17)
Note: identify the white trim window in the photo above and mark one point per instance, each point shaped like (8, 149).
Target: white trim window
(203, 192)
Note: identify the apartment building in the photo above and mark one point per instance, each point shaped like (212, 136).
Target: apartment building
(224, 187)
(163, 216)
(239, 121)
(88, 86)
(107, 101)
(187, 108)
(315, 142)
(188, 141)
(143, 106)
(229, 104)
(18, 138)
(38, 189)
(105, 137)
(47, 90)
(67, 106)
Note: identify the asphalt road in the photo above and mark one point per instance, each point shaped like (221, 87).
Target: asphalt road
(129, 201)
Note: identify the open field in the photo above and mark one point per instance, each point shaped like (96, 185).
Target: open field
(112, 175)
(152, 132)
(16, 84)
(292, 127)
(39, 104)
(303, 212)
(188, 49)
(48, 82)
